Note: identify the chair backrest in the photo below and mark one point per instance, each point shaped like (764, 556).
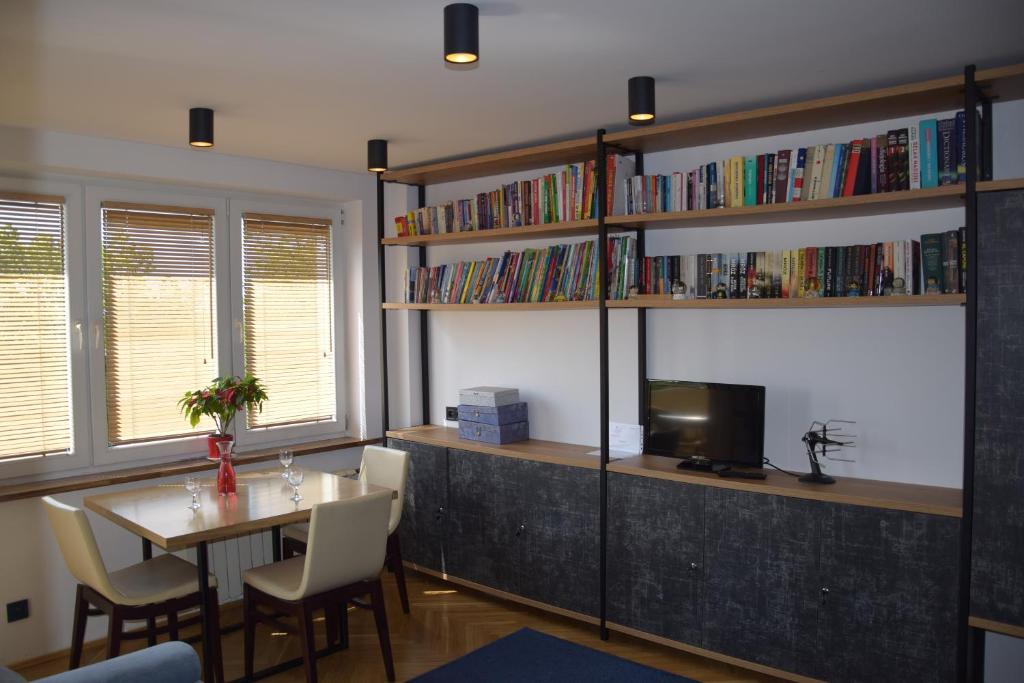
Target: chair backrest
(347, 540)
(78, 546)
(387, 467)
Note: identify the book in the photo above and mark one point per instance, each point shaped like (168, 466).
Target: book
(749, 181)
(852, 169)
(798, 174)
(820, 160)
(914, 154)
(839, 170)
(931, 262)
(963, 258)
(883, 163)
(947, 151)
(903, 158)
(805, 188)
(961, 147)
(892, 181)
(736, 181)
(929, 153)
(951, 262)
(782, 160)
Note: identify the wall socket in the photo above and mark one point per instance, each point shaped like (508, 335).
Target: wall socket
(16, 611)
(451, 413)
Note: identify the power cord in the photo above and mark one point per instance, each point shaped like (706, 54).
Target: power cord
(770, 464)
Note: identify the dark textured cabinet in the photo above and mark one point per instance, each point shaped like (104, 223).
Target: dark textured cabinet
(762, 586)
(890, 609)
(656, 556)
(997, 576)
(421, 530)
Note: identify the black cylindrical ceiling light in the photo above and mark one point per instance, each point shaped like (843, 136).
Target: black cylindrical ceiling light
(641, 100)
(377, 156)
(461, 33)
(200, 127)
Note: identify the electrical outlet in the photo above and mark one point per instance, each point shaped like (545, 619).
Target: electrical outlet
(451, 413)
(16, 611)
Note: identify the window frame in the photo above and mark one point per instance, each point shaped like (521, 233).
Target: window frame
(78, 371)
(246, 437)
(170, 448)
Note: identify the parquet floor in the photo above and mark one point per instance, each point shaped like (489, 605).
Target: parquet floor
(446, 622)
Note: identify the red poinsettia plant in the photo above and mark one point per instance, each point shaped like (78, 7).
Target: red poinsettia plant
(223, 399)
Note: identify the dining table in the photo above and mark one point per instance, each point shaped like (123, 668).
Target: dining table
(161, 516)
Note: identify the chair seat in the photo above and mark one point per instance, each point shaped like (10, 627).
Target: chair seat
(279, 579)
(163, 578)
(299, 532)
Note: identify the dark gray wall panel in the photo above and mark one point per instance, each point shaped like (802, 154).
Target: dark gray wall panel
(426, 496)
(997, 578)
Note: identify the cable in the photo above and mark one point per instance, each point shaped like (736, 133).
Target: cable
(769, 463)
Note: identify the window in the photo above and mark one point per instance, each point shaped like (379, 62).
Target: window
(159, 316)
(288, 317)
(35, 385)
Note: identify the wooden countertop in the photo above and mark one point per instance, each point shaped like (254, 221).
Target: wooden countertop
(934, 500)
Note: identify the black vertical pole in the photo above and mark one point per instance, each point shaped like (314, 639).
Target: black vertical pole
(382, 283)
(641, 318)
(966, 637)
(985, 172)
(421, 200)
(602, 311)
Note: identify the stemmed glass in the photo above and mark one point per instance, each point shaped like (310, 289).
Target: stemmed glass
(193, 487)
(295, 477)
(286, 457)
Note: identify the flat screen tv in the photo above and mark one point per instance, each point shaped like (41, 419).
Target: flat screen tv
(708, 425)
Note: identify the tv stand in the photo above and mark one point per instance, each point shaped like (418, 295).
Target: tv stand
(702, 465)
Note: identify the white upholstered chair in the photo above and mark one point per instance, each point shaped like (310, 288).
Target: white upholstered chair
(162, 586)
(344, 557)
(387, 467)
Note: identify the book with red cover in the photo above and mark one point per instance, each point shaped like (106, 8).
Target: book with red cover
(852, 167)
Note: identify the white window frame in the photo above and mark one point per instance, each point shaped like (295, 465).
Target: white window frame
(274, 436)
(171, 448)
(79, 453)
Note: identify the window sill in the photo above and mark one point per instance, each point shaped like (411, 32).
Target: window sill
(195, 464)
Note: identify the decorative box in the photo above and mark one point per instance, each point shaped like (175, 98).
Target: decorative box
(496, 434)
(488, 396)
(494, 415)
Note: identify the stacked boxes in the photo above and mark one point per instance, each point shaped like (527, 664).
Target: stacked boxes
(492, 415)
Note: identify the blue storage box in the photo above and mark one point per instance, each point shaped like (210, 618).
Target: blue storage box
(494, 415)
(496, 434)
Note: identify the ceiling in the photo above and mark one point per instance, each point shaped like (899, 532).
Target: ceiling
(309, 81)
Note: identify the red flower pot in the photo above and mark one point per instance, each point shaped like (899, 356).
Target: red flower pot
(211, 445)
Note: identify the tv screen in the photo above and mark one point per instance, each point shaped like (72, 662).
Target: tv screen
(707, 424)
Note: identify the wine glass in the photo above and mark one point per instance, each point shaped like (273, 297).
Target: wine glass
(295, 477)
(192, 486)
(286, 457)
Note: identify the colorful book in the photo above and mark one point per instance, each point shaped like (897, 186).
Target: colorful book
(947, 151)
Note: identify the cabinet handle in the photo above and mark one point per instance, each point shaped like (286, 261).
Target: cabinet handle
(520, 530)
(694, 566)
(439, 514)
(824, 594)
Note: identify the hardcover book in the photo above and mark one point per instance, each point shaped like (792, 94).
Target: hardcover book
(929, 153)
(947, 151)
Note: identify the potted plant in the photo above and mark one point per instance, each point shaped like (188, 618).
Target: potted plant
(221, 401)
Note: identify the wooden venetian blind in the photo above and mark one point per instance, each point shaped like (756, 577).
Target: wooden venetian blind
(159, 317)
(288, 316)
(34, 360)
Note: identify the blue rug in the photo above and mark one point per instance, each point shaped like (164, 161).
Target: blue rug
(529, 656)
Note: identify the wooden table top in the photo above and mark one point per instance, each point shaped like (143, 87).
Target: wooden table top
(161, 514)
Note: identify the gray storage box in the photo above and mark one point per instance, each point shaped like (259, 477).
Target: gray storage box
(496, 434)
(496, 415)
(488, 396)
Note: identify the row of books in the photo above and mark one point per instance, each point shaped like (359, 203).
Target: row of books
(936, 264)
(567, 195)
(561, 272)
(930, 154)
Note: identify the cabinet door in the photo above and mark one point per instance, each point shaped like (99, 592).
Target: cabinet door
(762, 584)
(560, 541)
(485, 512)
(421, 530)
(656, 556)
(890, 610)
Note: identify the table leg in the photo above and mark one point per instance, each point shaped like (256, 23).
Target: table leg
(147, 554)
(275, 535)
(202, 563)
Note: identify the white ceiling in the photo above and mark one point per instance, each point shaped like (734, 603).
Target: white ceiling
(309, 81)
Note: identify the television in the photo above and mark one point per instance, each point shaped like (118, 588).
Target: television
(707, 425)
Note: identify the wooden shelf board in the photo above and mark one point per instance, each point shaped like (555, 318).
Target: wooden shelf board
(1003, 82)
(493, 163)
(949, 196)
(819, 302)
(545, 306)
(564, 229)
(933, 500)
(573, 455)
(997, 627)
(999, 185)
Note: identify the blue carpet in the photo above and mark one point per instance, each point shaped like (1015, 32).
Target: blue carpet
(527, 655)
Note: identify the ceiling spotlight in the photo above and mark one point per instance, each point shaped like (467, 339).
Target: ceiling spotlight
(200, 127)
(461, 33)
(641, 100)
(377, 156)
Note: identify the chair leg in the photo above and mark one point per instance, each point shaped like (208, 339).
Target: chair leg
(249, 620)
(308, 638)
(381, 617)
(218, 655)
(150, 631)
(78, 628)
(114, 630)
(172, 621)
(343, 624)
(331, 621)
(395, 561)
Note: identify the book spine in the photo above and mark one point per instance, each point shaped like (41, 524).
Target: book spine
(929, 153)
(903, 155)
(782, 160)
(749, 181)
(852, 166)
(883, 163)
(946, 129)
(914, 151)
(951, 262)
(961, 147)
(963, 259)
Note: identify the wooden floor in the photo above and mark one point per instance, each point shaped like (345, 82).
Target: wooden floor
(446, 622)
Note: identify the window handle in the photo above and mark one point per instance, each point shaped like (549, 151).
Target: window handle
(79, 334)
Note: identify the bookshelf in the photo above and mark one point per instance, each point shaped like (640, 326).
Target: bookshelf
(972, 90)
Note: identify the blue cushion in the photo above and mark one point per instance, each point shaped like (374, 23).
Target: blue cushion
(173, 662)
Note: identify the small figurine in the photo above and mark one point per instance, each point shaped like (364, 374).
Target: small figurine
(720, 291)
(819, 444)
(931, 286)
(853, 287)
(499, 298)
(899, 287)
(813, 289)
(634, 292)
(678, 290)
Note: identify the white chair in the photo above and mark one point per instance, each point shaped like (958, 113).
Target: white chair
(386, 467)
(343, 560)
(162, 586)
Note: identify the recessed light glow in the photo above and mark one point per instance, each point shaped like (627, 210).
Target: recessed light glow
(641, 117)
(461, 58)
